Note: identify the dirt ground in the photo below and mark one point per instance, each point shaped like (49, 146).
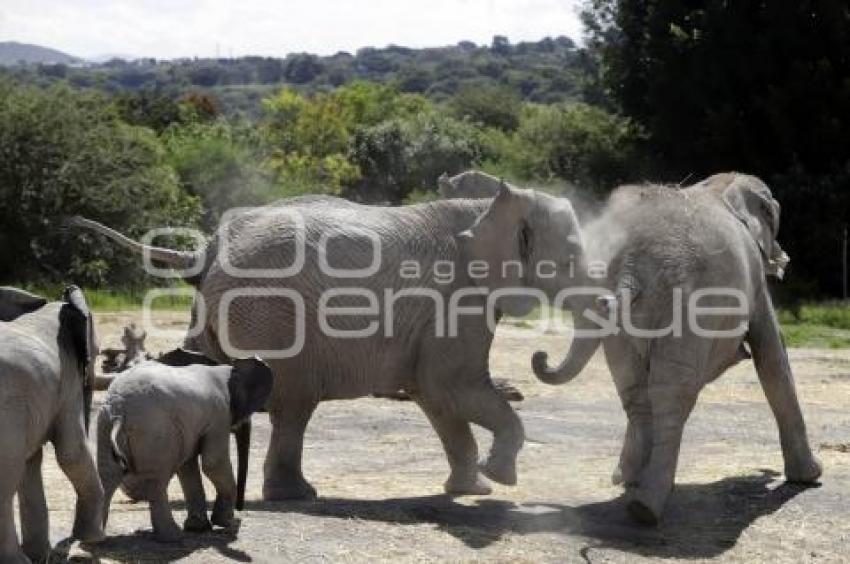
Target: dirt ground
(379, 470)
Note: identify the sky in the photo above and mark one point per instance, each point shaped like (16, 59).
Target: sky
(185, 28)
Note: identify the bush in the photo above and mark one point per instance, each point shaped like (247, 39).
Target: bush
(403, 155)
(221, 165)
(62, 153)
(576, 143)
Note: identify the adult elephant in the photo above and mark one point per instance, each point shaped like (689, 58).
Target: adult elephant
(46, 356)
(685, 254)
(421, 266)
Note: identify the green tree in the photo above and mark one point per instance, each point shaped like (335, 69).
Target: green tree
(63, 153)
(748, 85)
(222, 165)
(402, 155)
(577, 143)
(497, 107)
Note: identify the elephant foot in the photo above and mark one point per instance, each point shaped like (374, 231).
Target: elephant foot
(643, 509)
(500, 471)
(617, 477)
(17, 558)
(466, 486)
(621, 478)
(168, 534)
(36, 552)
(642, 513)
(88, 532)
(291, 490)
(223, 518)
(807, 471)
(197, 523)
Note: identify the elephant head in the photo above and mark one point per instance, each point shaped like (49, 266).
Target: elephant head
(15, 302)
(250, 385)
(751, 202)
(77, 330)
(526, 239)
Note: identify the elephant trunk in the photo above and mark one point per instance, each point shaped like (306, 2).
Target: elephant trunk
(581, 350)
(243, 448)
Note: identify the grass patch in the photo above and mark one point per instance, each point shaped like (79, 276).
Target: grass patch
(119, 300)
(820, 325)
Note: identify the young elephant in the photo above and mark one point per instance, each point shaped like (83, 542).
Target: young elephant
(157, 420)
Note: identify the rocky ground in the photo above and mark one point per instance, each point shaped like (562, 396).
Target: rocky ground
(379, 470)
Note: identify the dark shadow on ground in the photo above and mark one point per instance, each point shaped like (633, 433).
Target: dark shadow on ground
(141, 546)
(701, 521)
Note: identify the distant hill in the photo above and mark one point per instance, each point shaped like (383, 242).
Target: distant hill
(12, 53)
(547, 71)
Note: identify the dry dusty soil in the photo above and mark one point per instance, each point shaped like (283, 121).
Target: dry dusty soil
(379, 470)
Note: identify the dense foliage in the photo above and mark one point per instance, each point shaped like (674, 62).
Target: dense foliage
(136, 160)
(667, 91)
(761, 87)
(63, 153)
(550, 70)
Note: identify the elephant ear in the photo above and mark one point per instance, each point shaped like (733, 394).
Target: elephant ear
(78, 327)
(444, 185)
(182, 357)
(15, 302)
(751, 201)
(250, 385)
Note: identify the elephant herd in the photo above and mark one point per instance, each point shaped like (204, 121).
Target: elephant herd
(343, 300)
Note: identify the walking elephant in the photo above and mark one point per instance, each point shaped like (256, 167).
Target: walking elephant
(405, 321)
(46, 356)
(684, 255)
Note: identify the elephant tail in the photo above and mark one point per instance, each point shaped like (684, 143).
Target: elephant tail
(118, 442)
(182, 260)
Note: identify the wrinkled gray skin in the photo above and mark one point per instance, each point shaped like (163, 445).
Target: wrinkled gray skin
(468, 184)
(157, 420)
(447, 376)
(718, 233)
(46, 356)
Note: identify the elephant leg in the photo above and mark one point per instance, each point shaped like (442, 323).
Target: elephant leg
(282, 469)
(637, 446)
(631, 382)
(196, 498)
(35, 530)
(461, 450)
(481, 404)
(672, 392)
(215, 460)
(777, 381)
(165, 529)
(13, 469)
(77, 463)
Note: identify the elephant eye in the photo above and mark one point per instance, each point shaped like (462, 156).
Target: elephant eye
(525, 242)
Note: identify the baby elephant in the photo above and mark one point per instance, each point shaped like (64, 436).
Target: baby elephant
(160, 416)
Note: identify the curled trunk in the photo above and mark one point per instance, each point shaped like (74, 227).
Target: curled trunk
(581, 350)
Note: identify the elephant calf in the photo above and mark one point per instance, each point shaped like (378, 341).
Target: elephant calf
(159, 417)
